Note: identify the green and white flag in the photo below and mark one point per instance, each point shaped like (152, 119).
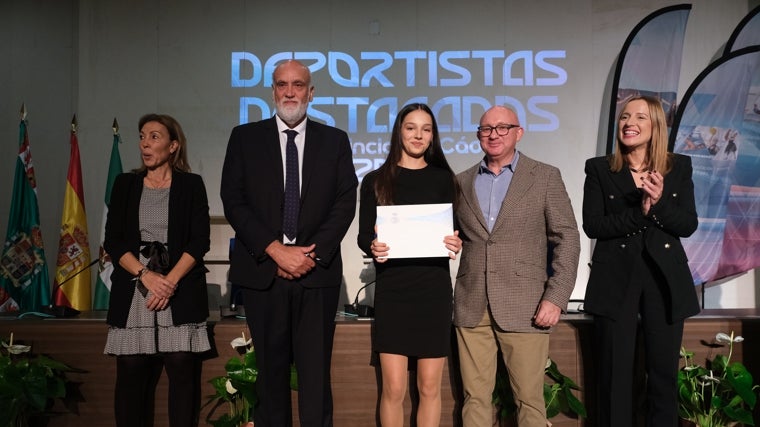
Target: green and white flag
(24, 277)
(105, 267)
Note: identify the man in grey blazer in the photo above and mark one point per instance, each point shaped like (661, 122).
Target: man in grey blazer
(515, 217)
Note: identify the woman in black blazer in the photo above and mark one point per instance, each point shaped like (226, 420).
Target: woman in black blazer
(157, 233)
(637, 204)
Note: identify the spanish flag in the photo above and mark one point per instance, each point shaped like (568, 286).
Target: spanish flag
(72, 276)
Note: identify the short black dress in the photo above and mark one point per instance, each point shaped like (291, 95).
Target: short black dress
(413, 296)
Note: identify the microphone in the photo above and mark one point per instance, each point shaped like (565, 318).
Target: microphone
(235, 308)
(361, 310)
(63, 310)
(235, 292)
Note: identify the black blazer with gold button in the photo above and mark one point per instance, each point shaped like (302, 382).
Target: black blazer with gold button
(612, 215)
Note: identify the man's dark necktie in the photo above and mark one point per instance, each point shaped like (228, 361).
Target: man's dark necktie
(292, 191)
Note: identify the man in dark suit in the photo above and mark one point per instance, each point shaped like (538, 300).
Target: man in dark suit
(513, 210)
(287, 247)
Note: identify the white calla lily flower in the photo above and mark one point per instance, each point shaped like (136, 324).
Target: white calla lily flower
(241, 342)
(16, 348)
(230, 388)
(724, 338)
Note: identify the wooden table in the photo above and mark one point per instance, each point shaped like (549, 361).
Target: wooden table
(79, 342)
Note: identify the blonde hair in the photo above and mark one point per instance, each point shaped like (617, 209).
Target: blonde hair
(658, 158)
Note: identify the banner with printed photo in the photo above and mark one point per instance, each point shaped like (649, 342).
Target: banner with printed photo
(650, 63)
(718, 125)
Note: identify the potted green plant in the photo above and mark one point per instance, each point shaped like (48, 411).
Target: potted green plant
(237, 389)
(30, 384)
(558, 394)
(720, 393)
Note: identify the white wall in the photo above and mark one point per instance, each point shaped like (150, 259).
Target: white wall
(106, 59)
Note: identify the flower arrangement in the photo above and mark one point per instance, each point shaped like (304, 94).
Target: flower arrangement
(719, 394)
(238, 387)
(558, 394)
(29, 385)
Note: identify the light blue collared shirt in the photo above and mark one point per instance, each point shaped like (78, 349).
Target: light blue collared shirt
(491, 189)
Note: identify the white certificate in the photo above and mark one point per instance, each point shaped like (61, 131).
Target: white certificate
(415, 231)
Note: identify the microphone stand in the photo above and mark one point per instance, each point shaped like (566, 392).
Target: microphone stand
(233, 298)
(361, 310)
(62, 310)
(235, 309)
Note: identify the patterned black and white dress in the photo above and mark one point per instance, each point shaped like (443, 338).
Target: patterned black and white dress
(151, 332)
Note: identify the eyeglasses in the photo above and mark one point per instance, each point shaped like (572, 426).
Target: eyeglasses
(501, 130)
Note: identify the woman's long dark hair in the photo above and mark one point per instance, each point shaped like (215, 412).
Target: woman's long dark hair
(388, 171)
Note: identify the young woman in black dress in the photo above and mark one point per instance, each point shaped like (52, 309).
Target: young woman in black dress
(413, 296)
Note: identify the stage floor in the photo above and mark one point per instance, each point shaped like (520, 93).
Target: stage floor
(79, 342)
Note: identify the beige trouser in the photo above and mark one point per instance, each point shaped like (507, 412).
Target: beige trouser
(525, 357)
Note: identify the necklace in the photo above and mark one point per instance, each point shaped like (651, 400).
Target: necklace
(641, 170)
(158, 183)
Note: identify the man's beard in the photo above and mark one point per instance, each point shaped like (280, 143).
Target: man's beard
(291, 115)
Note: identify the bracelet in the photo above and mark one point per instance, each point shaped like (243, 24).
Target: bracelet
(140, 273)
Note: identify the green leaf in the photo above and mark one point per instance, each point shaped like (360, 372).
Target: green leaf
(234, 364)
(54, 365)
(35, 391)
(719, 364)
(558, 395)
(741, 415)
(220, 389)
(740, 380)
(575, 404)
(552, 403)
(552, 371)
(248, 392)
(250, 360)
